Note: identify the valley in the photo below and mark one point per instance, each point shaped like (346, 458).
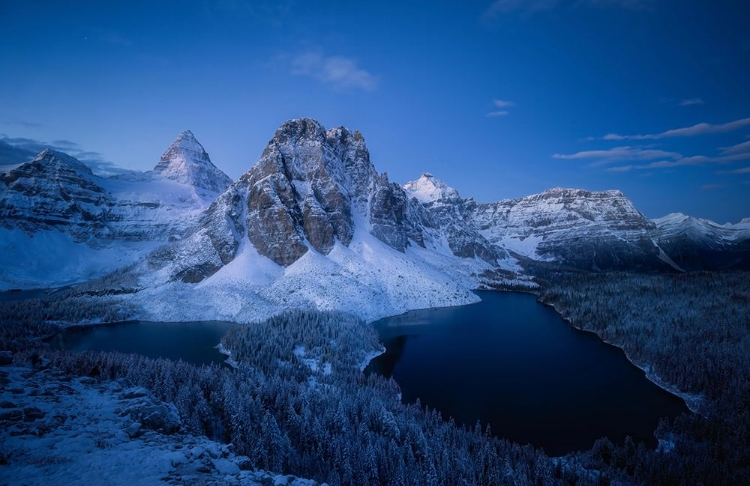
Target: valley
(311, 246)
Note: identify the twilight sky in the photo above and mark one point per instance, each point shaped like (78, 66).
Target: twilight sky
(499, 99)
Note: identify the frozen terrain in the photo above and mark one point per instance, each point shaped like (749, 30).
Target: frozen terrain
(77, 431)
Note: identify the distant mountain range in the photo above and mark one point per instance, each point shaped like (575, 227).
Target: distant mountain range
(313, 224)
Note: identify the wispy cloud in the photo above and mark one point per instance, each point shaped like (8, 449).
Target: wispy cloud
(680, 162)
(503, 105)
(117, 39)
(743, 170)
(711, 187)
(337, 72)
(24, 123)
(626, 159)
(737, 149)
(17, 150)
(530, 7)
(692, 131)
(623, 4)
(620, 154)
(691, 101)
(500, 7)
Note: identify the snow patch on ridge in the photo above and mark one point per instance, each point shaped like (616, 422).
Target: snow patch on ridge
(429, 188)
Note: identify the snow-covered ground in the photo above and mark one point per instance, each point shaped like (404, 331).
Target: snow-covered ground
(368, 279)
(52, 258)
(62, 431)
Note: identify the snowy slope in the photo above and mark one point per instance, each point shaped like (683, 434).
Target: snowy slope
(313, 225)
(428, 189)
(62, 224)
(368, 278)
(589, 230)
(187, 162)
(57, 430)
(701, 244)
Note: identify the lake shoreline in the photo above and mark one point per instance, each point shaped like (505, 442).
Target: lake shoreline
(692, 401)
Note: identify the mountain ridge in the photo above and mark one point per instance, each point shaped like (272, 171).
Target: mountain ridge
(60, 223)
(313, 224)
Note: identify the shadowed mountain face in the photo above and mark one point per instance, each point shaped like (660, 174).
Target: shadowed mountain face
(700, 244)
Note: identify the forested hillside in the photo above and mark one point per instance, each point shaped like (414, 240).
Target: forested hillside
(692, 333)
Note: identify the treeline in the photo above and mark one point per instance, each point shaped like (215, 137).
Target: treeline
(693, 332)
(340, 427)
(56, 309)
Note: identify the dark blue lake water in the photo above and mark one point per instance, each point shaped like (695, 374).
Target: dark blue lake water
(513, 363)
(193, 342)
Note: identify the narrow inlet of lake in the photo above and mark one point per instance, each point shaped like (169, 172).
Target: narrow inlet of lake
(192, 342)
(514, 364)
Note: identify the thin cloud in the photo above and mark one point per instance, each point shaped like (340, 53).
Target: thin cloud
(682, 162)
(692, 101)
(744, 170)
(24, 123)
(500, 7)
(622, 168)
(502, 104)
(335, 71)
(692, 131)
(116, 39)
(711, 187)
(737, 149)
(637, 5)
(620, 154)
(530, 7)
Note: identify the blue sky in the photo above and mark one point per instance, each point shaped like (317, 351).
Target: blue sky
(499, 99)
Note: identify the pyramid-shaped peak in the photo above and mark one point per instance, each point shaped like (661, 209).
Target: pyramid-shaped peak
(429, 188)
(187, 162)
(185, 141)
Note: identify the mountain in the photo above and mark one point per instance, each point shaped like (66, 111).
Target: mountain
(311, 224)
(700, 244)
(54, 190)
(60, 223)
(450, 219)
(595, 231)
(187, 162)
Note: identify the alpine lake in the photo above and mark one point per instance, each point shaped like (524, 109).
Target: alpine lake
(508, 362)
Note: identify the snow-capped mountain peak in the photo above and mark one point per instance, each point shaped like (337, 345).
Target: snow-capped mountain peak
(670, 219)
(428, 189)
(187, 162)
(49, 159)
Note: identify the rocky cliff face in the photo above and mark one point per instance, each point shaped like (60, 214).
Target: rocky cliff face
(315, 197)
(310, 189)
(450, 219)
(54, 191)
(589, 230)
